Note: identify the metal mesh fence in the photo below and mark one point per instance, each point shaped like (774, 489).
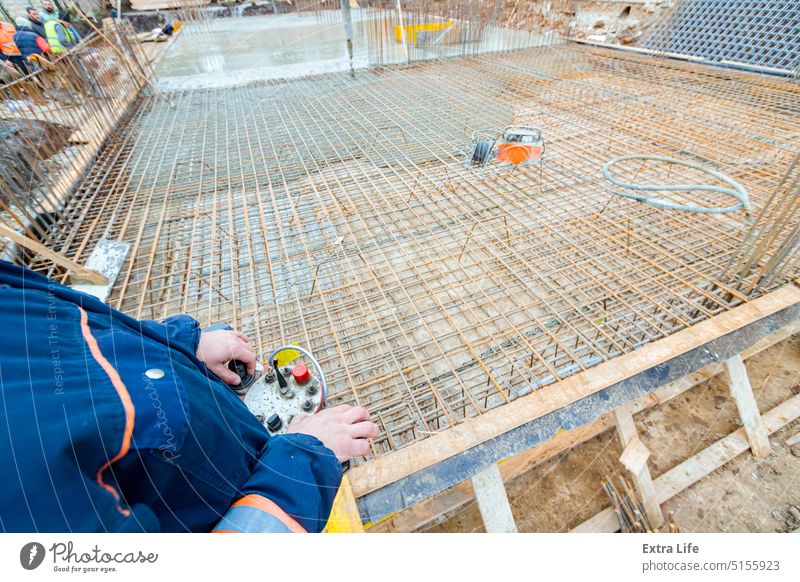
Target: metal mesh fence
(756, 32)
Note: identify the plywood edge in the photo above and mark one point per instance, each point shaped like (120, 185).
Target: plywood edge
(421, 455)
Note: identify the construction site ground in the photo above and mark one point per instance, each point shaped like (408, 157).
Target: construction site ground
(745, 495)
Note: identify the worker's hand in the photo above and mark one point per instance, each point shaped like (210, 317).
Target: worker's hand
(217, 348)
(343, 429)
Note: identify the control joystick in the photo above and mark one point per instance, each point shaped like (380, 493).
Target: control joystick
(240, 369)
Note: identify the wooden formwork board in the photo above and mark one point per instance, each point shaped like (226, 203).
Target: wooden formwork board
(397, 481)
(435, 509)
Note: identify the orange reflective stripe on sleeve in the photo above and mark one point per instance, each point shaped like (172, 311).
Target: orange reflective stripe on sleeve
(269, 506)
(255, 513)
(127, 404)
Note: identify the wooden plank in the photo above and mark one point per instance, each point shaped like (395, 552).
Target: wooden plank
(421, 455)
(742, 393)
(626, 429)
(76, 271)
(634, 459)
(437, 508)
(493, 501)
(695, 468)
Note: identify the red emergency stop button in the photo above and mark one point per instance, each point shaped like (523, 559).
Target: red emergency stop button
(301, 374)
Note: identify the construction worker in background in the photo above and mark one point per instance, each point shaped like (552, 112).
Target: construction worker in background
(75, 38)
(49, 12)
(28, 42)
(108, 423)
(9, 48)
(58, 36)
(37, 25)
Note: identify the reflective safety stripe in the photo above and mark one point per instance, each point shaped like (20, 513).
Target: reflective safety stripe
(52, 36)
(257, 514)
(127, 405)
(7, 44)
(9, 48)
(251, 520)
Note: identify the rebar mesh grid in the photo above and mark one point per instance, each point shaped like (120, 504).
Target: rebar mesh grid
(52, 122)
(755, 32)
(337, 212)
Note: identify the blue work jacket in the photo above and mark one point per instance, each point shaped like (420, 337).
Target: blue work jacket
(26, 42)
(108, 423)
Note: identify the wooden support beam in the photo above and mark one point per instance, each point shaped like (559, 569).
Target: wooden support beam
(75, 270)
(626, 429)
(423, 454)
(695, 468)
(437, 508)
(742, 393)
(634, 458)
(493, 501)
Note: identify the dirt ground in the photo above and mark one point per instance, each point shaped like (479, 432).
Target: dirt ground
(745, 495)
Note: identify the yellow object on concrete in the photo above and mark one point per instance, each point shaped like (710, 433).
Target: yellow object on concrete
(413, 29)
(344, 514)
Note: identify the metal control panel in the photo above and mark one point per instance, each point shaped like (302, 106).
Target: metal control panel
(280, 393)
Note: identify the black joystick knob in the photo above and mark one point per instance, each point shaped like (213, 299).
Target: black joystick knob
(240, 369)
(274, 423)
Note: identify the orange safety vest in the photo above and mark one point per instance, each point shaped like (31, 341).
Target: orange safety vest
(7, 44)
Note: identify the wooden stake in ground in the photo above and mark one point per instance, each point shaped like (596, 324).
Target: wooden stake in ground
(742, 393)
(634, 458)
(493, 504)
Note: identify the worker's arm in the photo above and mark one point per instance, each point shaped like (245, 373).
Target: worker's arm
(296, 478)
(214, 348)
(42, 44)
(63, 37)
(178, 329)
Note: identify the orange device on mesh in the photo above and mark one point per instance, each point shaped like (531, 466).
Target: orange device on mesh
(517, 146)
